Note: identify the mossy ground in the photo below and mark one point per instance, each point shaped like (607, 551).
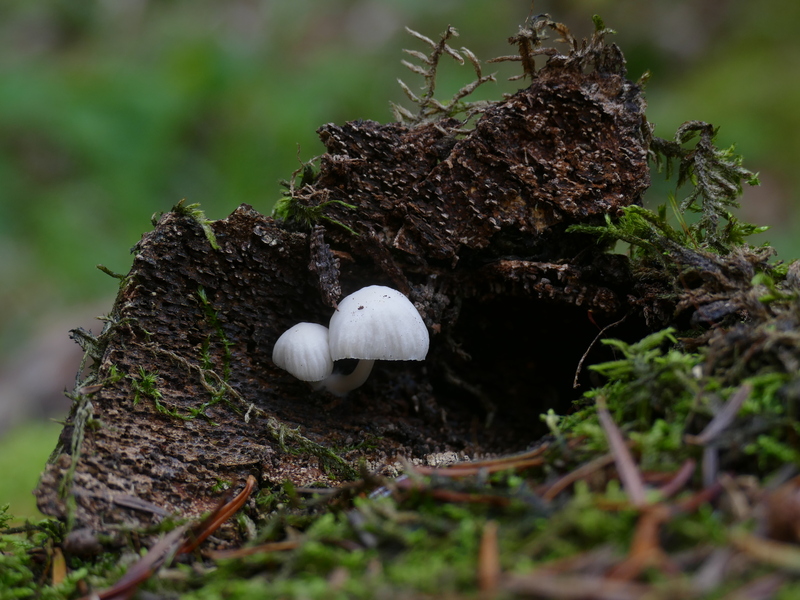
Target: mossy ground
(562, 514)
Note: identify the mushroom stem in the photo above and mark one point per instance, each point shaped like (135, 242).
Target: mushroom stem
(338, 384)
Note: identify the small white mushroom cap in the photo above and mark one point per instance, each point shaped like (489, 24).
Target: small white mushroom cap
(378, 323)
(303, 351)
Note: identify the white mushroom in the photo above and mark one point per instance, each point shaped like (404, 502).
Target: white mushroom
(374, 323)
(303, 351)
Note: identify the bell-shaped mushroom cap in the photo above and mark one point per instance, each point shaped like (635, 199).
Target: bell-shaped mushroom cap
(378, 323)
(303, 351)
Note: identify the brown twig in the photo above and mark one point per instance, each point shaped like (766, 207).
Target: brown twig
(452, 495)
(493, 465)
(680, 479)
(723, 418)
(223, 512)
(177, 541)
(573, 587)
(646, 551)
(489, 560)
(577, 474)
(144, 568)
(626, 467)
(250, 550)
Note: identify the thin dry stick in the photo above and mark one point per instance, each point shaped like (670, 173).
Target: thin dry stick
(575, 384)
(576, 475)
(772, 553)
(492, 465)
(476, 469)
(144, 568)
(762, 588)
(574, 586)
(218, 517)
(723, 418)
(177, 541)
(645, 548)
(489, 560)
(250, 550)
(679, 480)
(626, 467)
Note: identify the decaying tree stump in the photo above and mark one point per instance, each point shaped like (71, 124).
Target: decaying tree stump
(471, 226)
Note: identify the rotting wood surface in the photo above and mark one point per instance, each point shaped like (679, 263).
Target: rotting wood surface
(471, 227)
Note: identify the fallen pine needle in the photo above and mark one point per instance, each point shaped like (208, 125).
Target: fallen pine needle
(626, 467)
(251, 550)
(489, 560)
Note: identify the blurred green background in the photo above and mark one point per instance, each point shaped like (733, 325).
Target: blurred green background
(112, 110)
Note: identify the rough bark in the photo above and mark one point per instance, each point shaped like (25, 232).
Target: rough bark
(471, 227)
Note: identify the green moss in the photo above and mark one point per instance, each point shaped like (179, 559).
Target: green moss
(26, 555)
(213, 319)
(714, 177)
(146, 386)
(770, 451)
(221, 485)
(110, 273)
(298, 209)
(198, 216)
(114, 374)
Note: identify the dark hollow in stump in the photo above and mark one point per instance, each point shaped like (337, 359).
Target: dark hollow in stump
(184, 398)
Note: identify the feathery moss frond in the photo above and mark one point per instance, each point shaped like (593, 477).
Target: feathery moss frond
(429, 108)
